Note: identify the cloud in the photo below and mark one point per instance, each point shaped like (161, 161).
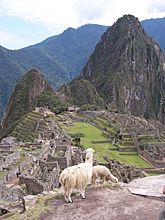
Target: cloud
(90, 10)
(158, 5)
(53, 14)
(10, 39)
(57, 15)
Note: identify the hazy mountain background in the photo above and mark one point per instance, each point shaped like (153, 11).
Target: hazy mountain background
(60, 58)
(156, 29)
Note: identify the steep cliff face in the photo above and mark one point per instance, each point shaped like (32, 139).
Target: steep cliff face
(22, 99)
(127, 69)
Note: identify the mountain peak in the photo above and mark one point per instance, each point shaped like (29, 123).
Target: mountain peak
(127, 69)
(32, 74)
(21, 101)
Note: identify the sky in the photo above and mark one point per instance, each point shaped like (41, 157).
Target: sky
(27, 22)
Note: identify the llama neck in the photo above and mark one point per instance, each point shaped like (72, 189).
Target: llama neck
(89, 159)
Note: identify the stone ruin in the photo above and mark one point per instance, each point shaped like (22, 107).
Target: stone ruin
(8, 153)
(124, 173)
(154, 153)
(40, 172)
(44, 170)
(139, 131)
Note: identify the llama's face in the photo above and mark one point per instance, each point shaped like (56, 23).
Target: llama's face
(115, 179)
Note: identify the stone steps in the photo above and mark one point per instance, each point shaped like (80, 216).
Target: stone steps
(125, 143)
(146, 137)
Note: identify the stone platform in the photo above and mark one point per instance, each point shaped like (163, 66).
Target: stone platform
(151, 186)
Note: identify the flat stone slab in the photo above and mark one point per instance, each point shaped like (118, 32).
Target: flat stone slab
(151, 186)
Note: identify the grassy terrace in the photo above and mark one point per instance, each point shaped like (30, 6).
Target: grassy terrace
(91, 133)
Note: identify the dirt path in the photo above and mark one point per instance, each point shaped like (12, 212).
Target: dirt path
(104, 204)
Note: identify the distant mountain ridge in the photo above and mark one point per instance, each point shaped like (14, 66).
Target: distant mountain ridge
(60, 58)
(156, 29)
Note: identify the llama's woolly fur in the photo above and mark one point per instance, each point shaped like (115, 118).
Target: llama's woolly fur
(77, 176)
(104, 173)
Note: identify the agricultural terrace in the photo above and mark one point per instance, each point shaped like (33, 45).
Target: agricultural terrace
(91, 133)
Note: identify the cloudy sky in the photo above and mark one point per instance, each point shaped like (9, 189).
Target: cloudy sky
(26, 22)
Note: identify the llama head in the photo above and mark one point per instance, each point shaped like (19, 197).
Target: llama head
(113, 179)
(90, 150)
(89, 155)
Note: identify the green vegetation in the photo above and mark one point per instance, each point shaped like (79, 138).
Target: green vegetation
(2, 173)
(82, 93)
(153, 174)
(51, 101)
(91, 133)
(77, 138)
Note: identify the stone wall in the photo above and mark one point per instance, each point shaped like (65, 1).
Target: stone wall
(48, 165)
(124, 173)
(10, 194)
(155, 170)
(155, 154)
(101, 142)
(152, 160)
(8, 160)
(32, 185)
(127, 149)
(94, 113)
(78, 118)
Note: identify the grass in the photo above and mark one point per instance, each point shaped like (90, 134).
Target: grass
(103, 120)
(126, 146)
(3, 173)
(91, 133)
(104, 123)
(153, 174)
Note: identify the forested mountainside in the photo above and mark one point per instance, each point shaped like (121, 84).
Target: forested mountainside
(60, 58)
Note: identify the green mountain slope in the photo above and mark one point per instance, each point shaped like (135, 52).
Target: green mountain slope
(82, 93)
(60, 58)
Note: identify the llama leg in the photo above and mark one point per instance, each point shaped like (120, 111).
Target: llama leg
(65, 195)
(102, 179)
(69, 192)
(82, 193)
(94, 181)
